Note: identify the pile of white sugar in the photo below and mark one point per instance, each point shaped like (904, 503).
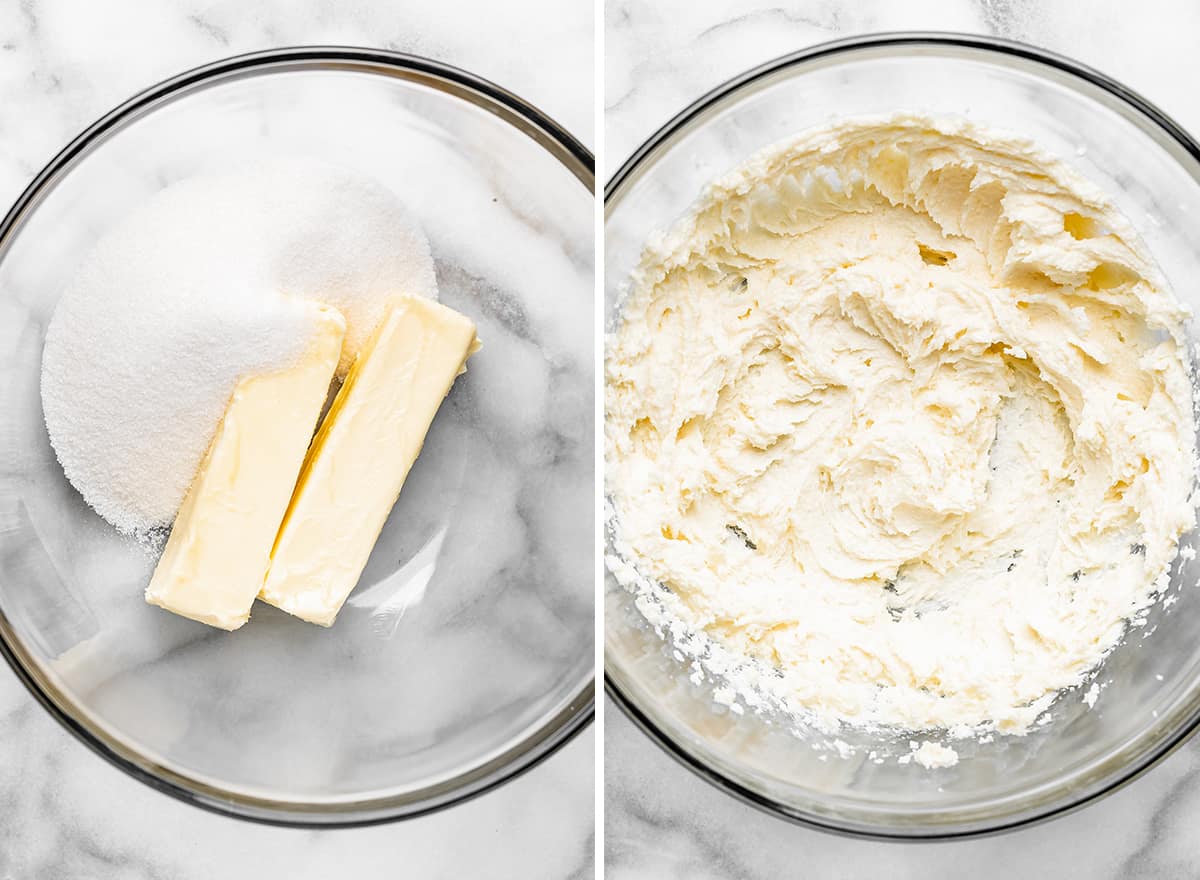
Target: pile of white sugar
(196, 290)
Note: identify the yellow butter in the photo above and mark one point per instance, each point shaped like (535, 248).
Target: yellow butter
(362, 454)
(220, 546)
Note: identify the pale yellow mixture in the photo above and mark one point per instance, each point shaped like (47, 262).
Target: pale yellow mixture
(903, 410)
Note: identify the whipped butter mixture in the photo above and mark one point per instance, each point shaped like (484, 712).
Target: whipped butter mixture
(902, 411)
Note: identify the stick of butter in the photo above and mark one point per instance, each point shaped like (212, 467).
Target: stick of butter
(362, 454)
(220, 546)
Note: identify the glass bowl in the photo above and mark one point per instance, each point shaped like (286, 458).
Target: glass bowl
(404, 706)
(1150, 699)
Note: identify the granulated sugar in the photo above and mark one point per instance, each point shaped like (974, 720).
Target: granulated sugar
(193, 292)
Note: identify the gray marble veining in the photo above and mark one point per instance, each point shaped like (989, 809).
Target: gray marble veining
(663, 822)
(661, 56)
(69, 814)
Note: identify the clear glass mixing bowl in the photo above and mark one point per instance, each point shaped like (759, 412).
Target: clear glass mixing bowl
(466, 654)
(1151, 701)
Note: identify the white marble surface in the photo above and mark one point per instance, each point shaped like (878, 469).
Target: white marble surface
(66, 812)
(661, 821)
(660, 56)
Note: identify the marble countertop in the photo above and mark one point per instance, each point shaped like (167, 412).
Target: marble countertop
(661, 821)
(66, 812)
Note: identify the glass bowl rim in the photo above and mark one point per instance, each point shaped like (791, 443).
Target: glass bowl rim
(552, 733)
(630, 172)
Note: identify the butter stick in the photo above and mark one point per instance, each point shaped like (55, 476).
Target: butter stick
(362, 454)
(220, 546)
